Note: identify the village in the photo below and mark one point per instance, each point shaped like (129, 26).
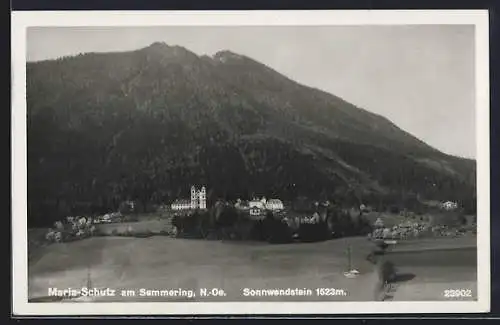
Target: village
(339, 232)
(320, 217)
(255, 207)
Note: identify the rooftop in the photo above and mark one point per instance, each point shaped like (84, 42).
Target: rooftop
(182, 201)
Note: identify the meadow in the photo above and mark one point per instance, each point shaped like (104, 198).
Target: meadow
(426, 267)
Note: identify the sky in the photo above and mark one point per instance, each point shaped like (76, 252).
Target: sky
(419, 77)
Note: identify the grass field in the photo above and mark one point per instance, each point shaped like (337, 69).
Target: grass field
(153, 225)
(164, 263)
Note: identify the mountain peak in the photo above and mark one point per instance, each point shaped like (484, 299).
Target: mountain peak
(226, 55)
(169, 50)
(226, 120)
(158, 45)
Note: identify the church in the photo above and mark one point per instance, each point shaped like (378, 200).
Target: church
(198, 200)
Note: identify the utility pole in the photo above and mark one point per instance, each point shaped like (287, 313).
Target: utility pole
(89, 279)
(349, 260)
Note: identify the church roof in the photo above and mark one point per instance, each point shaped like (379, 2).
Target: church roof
(182, 201)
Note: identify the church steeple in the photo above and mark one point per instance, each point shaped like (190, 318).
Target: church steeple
(194, 198)
(203, 198)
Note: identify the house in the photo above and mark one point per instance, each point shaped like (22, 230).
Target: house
(274, 205)
(314, 219)
(256, 211)
(260, 204)
(264, 204)
(448, 205)
(181, 204)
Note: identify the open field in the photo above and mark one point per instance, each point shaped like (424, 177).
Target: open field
(165, 263)
(153, 225)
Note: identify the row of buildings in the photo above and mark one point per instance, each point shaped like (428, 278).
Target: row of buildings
(198, 200)
(258, 207)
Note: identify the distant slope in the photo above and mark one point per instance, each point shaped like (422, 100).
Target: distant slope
(146, 124)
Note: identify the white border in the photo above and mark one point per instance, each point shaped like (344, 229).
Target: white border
(22, 20)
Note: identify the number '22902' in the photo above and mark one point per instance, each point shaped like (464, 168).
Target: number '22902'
(457, 293)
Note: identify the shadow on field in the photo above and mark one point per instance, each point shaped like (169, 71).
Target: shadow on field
(389, 279)
(396, 265)
(403, 277)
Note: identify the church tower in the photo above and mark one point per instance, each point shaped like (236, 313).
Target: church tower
(194, 198)
(203, 198)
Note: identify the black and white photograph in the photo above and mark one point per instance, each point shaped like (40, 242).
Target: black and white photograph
(250, 162)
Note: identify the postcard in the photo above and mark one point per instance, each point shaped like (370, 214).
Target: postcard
(255, 163)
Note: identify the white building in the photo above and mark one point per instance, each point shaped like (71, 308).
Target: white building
(264, 204)
(449, 205)
(256, 212)
(256, 204)
(275, 205)
(198, 200)
(314, 219)
(181, 205)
